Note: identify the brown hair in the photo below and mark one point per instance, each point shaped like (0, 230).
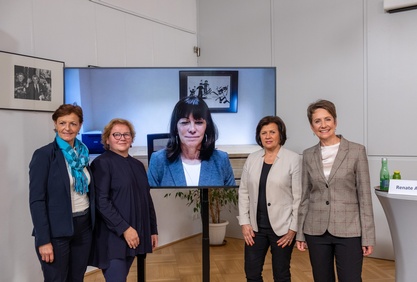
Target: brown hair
(107, 129)
(281, 128)
(67, 109)
(321, 104)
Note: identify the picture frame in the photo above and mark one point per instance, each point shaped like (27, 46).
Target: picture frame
(218, 88)
(30, 83)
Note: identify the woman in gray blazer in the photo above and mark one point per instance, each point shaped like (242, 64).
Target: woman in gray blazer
(269, 196)
(335, 215)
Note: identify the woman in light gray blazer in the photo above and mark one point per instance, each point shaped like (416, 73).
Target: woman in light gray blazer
(269, 196)
(335, 215)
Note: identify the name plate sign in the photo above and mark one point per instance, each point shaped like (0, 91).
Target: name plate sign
(402, 187)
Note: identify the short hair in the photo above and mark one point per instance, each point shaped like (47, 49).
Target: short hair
(321, 104)
(67, 109)
(185, 107)
(281, 129)
(107, 129)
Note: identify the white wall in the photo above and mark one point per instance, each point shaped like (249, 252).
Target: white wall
(350, 52)
(392, 82)
(235, 32)
(80, 33)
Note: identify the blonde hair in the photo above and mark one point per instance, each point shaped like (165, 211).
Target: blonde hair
(107, 129)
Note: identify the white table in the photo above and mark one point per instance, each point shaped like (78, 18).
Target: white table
(401, 213)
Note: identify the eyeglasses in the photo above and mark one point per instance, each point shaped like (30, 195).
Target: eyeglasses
(118, 135)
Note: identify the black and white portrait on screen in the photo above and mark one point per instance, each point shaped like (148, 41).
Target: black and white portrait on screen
(213, 89)
(218, 88)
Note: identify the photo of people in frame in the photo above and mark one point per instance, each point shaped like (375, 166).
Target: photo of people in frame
(32, 83)
(218, 88)
(213, 89)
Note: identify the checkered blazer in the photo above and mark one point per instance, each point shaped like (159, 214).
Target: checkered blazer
(342, 204)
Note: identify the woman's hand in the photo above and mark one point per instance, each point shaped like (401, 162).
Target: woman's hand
(47, 253)
(154, 240)
(286, 239)
(301, 245)
(367, 250)
(248, 234)
(131, 237)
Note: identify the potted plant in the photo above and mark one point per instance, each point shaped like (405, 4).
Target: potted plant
(219, 198)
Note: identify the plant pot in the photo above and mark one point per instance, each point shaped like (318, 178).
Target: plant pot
(217, 232)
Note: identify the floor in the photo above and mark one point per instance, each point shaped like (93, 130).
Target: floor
(181, 262)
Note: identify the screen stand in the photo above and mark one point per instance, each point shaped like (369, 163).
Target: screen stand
(141, 267)
(205, 241)
(205, 237)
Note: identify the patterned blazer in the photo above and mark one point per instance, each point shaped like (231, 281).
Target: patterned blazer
(342, 205)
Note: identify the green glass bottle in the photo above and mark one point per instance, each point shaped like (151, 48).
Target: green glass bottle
(384, 175)
(396, 175)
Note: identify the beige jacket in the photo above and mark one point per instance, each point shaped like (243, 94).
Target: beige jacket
(283, 190)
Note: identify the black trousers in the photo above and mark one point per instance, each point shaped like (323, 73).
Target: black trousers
(118, 269)
(255, 257)
(324, 249)
(70, 253)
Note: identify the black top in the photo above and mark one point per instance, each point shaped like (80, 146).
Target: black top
(262, 213)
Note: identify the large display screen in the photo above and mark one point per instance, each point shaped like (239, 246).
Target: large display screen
(238, 97)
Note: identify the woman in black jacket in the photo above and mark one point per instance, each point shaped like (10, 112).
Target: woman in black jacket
(61, 198)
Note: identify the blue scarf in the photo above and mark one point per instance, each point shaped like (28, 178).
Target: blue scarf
(76, 162)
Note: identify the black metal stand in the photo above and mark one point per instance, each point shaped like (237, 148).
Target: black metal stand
(205, 239)
(141, 267)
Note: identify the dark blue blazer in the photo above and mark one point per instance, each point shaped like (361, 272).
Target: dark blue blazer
(49, 195)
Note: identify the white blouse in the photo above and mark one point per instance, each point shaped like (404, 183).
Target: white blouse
(328, 155)
(192, 173)
(79, 202)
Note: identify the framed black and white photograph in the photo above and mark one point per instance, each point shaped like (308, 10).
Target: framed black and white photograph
(30, 83)
(218, 88)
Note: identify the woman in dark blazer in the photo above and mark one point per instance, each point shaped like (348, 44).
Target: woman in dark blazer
(126, 220)
(335, 215)
(61, 197)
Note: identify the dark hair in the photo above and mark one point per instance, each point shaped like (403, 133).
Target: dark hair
(107, 129)
(67, 109)
(321, 104)
(281, 128)
(185, 107)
